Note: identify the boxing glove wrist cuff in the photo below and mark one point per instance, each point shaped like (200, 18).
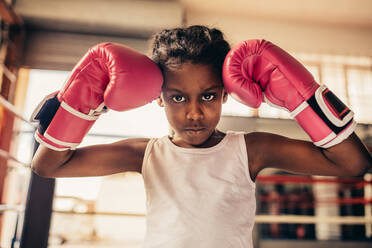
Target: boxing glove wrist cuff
(45, 111)
(48, 143)
(69, 126)
(325, 118)
(43, 115)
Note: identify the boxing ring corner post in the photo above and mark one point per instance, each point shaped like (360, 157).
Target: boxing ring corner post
(38, 211)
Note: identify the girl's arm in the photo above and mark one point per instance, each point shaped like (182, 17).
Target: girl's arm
(257, 71)
(96, 160)
(109, 76)
(348, 158)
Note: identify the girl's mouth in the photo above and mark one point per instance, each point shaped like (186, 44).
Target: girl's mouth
(195, 131)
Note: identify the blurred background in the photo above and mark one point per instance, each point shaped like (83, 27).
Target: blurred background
(41, 41)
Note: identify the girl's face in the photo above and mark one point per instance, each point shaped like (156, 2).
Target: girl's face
(192, 97)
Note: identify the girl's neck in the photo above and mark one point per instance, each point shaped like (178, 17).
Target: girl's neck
(213, 140)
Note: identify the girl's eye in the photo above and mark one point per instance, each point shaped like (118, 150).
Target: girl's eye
(178, 98)
(208, 97)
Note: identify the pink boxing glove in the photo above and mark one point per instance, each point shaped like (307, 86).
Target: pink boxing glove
(257, 71)
(109, 75)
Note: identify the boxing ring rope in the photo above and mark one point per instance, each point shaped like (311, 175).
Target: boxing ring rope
(8, 156)
(10, 75)
(309, 202)
(10, 107)
(343, 183)
(13, 110)
(283, 179)
(304, 219)
(12, 208)
(261, 218)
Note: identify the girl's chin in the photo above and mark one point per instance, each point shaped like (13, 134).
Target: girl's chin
(197, 138)
(190, 139)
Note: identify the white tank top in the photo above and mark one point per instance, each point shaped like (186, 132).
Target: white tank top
(198, 197)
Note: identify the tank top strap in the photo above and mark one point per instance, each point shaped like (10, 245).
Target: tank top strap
(237, 138)
(148, 150)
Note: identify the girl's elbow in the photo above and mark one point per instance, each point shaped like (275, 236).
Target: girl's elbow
(359, 168)
(41, 170)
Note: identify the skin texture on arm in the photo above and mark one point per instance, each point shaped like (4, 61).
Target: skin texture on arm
(96, 160)
(265, 150)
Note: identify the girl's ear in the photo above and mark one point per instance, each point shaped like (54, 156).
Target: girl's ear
(160, 101)
(224, 96)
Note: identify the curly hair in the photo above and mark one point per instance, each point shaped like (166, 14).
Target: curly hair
(196, 44)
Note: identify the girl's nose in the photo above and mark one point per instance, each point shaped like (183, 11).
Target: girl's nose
(194, 112)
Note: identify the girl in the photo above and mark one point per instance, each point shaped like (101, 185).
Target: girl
(199, 181)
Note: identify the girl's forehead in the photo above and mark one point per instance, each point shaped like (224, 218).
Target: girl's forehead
(192, 76)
